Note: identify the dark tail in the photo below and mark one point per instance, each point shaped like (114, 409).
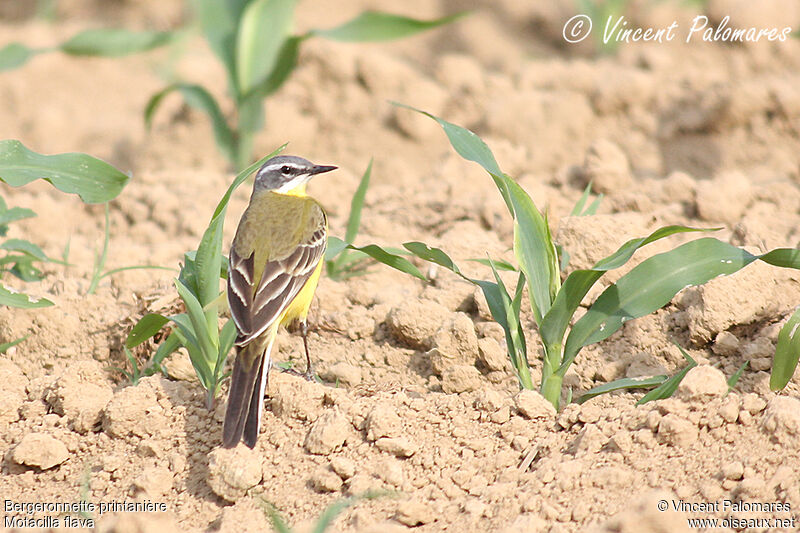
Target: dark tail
(246, 396)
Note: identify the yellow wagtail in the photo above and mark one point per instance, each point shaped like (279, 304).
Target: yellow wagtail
(275, 263)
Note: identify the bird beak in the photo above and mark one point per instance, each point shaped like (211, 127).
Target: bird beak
(319, 169)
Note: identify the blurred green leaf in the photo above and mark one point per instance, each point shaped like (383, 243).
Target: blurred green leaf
(6, 345)
(376, 26)
(20, 245)
(578, 209)
(787, 353)
(12, 215)
(95, 181)
(734, 379)
(14, 55)
(264, 26)
(284, 65)
(146, 328)
(199, 98)
(13, 298)
(220, 23)
(622, 384)
(108, 42)
(668, 388)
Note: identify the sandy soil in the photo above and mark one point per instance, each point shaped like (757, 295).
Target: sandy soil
(418, 398)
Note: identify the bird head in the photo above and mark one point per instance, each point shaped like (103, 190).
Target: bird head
(286, 173)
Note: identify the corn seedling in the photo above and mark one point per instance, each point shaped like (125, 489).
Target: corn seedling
(648, 287)
(100, 262)
(104, 42)
(198, 287)
(787, 353)
(92, 179)
(253, 40)
(327, 517)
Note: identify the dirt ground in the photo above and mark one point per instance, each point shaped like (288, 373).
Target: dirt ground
(418, 399)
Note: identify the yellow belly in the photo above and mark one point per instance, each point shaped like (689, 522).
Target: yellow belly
(298, 309)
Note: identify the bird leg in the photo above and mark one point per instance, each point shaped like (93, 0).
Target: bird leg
(309, 375)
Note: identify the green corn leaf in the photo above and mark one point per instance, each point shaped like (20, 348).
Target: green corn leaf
(13, 298)
(147, 326)
(622, 384)
(499, 264)
(787, 353)
(170, 344)
(208, 259)
(433, 255)
(594, 206)
(353, 223)
(109, 42)
(734, 379)
(578, 283)
(285, 64)
(206, 337)
(576, 211)
(199, 98)
(264, 27)
(6, 345)
(376, 26)
(26, 247)
(335, 247)
(668, 388)
(95, 181)
(356, 205)
(579, 211)
(185, 333)
(511, 307)
(534, 249)
(330, 513)
(14, 55)
(14, 214)
(227, 336)
(782, 257)
(472, 148)
(650, 286)
(389, 259)
(220, 24)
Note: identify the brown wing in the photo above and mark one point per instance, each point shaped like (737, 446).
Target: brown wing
(254, 311)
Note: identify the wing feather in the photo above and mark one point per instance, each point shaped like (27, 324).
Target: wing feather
(254, 310)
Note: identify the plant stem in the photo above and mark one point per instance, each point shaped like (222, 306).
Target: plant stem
(524, 373)
(243, 149)
(551, 379)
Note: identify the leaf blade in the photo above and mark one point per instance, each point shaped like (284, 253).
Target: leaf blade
(14, 55)
(95, 181)
(379, 26)
(787, 353)
(263, 28)
(650, 286)
(111, 42)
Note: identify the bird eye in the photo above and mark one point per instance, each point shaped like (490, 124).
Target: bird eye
(286, 169)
